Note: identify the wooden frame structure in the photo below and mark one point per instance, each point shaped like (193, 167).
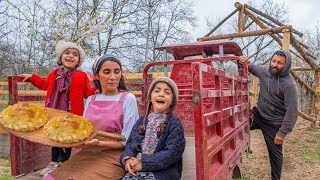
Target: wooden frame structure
(273, 27)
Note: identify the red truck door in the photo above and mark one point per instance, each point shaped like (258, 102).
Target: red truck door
(221, 119)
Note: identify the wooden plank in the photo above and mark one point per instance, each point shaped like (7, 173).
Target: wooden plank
(139, 75)
(245, 34)
(2, 102)
(3, 83)
(241, 20)
(286, 39)
(30, 92)
(302, 69)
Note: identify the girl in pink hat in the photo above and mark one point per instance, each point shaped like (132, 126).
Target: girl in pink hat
(66, 88)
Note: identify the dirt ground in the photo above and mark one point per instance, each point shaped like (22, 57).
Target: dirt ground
(301, 155)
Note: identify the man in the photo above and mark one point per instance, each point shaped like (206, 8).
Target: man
(277, 108)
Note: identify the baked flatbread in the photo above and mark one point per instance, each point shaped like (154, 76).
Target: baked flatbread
(68, 128)
(24, 116)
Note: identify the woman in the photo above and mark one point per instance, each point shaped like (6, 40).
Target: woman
(112, 110)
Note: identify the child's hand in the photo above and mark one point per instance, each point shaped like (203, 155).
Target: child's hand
(128, 164)
(27, 77)
(136, 164)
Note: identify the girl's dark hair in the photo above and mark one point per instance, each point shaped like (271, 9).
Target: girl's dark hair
(97, 66)
(162, 126)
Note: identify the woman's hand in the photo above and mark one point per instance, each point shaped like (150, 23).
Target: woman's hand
(92, 142)
(27, 77)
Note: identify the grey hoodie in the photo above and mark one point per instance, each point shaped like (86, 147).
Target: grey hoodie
(278, 99)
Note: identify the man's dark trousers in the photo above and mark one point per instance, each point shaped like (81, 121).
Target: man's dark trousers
(269, 132)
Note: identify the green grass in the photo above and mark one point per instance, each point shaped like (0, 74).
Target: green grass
(316, 154)
(5, 168)
(5, 177)
(309, 147)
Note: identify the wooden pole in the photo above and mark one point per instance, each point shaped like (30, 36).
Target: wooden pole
(254, 91)
(300, 81)
(293, 41)
(270, 18)
(306, 58)
(286, 39)
(296, 55)
(302, 69)
(245, 34)
(224, 20)
(315, 108)
(241, 20)
(309, 118)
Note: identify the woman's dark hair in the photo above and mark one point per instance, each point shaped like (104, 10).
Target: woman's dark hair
(97, 66)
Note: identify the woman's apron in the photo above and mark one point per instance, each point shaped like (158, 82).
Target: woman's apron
(96, 162)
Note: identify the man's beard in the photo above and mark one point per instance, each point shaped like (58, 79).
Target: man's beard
(274, 71)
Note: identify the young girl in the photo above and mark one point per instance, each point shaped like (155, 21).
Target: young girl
(66, 88)
(156, 143)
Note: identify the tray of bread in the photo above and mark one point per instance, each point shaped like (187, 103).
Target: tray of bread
(49, 126)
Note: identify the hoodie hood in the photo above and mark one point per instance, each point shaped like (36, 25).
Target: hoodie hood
(287, 66)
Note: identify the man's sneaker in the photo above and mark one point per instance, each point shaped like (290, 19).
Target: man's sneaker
(51, 166)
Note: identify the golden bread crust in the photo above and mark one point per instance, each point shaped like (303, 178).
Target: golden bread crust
(24, 116)
(68, 128)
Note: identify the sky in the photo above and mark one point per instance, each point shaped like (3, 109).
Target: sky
(302, 14)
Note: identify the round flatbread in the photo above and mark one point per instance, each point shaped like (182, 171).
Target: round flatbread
(68, 128)
(24, 116)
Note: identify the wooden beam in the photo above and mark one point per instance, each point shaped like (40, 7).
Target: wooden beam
(306, 58)
(300, 81)
(270, 18)
(309, 118)
(296, 55)
(293, 41)
(218, 25)
(244, 34)
(302, 69)
(273, 26)
(241, 20)
(254, 91)
(286, 39)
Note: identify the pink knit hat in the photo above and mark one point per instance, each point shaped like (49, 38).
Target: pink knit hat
(64, 45)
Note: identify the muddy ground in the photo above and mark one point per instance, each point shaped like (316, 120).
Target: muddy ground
(301, 155)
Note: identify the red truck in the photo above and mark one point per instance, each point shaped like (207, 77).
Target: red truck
(213, 106)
